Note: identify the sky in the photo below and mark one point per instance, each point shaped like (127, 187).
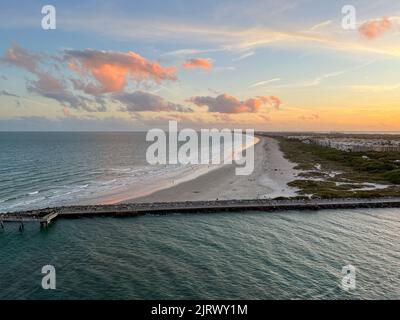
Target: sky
(288, 65)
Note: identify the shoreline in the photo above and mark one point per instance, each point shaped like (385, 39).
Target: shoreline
(269, 179)
(151, 192)
(272, 172)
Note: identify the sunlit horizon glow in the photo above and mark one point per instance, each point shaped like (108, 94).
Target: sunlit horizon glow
(269, 65)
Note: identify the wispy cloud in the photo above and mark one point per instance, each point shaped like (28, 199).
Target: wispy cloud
(321, 25)
(217, 37)
(244, 56)
(188, 52)
(264, 82)
(318, 80)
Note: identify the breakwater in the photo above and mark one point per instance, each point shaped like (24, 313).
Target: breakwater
(137, 209)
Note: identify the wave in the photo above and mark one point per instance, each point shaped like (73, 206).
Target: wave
(112, 184)
(155, 178)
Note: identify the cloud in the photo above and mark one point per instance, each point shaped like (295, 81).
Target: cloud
(229, 104)
(111, 69)
(19, 57)
(200, 63)
(201, 120)
(264, 82)
(46, 84)
(244, 56)
(8, 94)
(375, 28)
(50, 87)
(142, 101)
(309, 117)
(321, 25)
(225, 69)
(213, 35)
(318, 80)
(106, 72)
(189, 52)
(217, 37)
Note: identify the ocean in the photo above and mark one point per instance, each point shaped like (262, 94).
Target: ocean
(253, 255)
(46, 169)
(54, 168)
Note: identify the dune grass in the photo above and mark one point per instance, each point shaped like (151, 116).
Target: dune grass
(353, 171)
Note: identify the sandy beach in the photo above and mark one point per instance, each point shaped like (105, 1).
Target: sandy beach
(269, 179)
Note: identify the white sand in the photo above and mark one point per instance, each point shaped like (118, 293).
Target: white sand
(269, 179)
(277, 171)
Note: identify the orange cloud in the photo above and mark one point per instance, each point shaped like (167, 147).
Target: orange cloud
(228, 104)
(375, 28)
(111, 69)
(198, 63)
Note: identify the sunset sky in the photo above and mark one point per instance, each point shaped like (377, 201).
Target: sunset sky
(282, 65)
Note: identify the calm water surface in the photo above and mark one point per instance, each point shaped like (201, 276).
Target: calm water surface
(287, 255)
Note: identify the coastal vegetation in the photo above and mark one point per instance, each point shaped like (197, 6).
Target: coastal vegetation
(331, 173)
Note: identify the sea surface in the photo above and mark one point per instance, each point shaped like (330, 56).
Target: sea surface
(42, 169)
(253, 255)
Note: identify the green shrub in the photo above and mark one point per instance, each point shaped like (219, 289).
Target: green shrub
(393, 176)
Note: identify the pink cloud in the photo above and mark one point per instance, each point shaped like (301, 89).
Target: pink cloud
(200, 63)
(111, 69)
(19, 57)
(228, 104)
(375, 28)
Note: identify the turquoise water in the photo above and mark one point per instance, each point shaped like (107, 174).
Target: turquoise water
(286, 255)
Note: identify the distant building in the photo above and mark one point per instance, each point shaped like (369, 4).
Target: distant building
(351, 144)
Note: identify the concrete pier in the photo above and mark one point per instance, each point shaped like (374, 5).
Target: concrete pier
(47, 215)
(44, 218)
